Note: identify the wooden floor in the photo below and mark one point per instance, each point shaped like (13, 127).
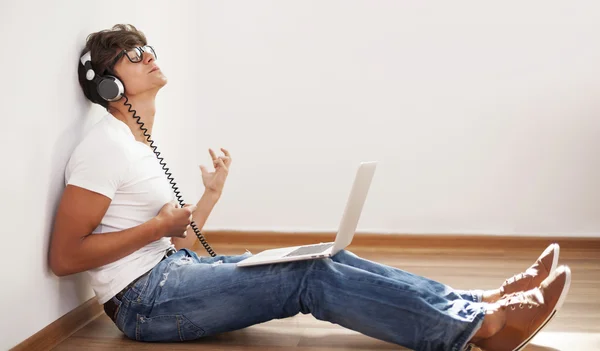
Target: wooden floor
(576, 327)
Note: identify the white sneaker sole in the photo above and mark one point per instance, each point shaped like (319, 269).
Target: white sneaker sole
(555, 259)
(559, 304)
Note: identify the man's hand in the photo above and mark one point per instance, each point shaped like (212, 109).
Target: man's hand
(175, 221)
(214, 181)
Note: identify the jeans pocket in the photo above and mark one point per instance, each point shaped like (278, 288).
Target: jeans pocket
(174, 327)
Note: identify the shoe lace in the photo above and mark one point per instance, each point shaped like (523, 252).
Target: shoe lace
(513, 279)
(521, 299)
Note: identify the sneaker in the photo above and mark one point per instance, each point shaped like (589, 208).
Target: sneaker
(528, 312)
(534, 275)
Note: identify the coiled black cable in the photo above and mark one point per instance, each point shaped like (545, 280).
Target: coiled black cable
(169, 176)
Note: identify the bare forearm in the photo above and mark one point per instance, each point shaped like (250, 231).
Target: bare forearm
(96, 250)
(204, 207)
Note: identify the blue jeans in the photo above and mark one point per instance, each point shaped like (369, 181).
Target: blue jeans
(186, 297)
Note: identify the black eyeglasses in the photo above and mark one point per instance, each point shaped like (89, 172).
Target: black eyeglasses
(136, 54)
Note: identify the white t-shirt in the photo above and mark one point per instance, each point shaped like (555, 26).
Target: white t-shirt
(111, 162)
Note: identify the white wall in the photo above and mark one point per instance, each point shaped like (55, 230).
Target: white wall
(484, 118)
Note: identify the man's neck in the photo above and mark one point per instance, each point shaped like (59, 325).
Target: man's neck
(144, 107)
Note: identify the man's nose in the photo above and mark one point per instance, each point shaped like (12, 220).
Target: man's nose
(148, 57)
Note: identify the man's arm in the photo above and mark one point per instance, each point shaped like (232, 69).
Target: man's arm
(204, 207)
(74, 249)
(213, 185)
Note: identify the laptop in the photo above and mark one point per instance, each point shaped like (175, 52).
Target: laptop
(347, 227)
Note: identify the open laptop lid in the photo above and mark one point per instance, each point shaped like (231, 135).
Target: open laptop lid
(354, 206)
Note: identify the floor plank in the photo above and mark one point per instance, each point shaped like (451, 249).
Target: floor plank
(576, 327)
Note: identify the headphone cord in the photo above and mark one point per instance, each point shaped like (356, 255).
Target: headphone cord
(169, 177)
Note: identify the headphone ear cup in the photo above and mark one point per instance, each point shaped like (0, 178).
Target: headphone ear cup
(110, 88)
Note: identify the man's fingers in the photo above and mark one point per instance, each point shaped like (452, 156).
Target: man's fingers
(212, 154)
(190, 209)
(222, 165)
(225, 159)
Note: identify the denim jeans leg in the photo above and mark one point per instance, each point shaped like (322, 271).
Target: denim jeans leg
(351, 259)
(471, 295)
(187, 297)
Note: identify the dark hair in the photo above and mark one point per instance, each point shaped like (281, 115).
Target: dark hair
(105, 45)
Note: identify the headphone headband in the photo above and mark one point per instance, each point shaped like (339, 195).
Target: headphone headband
(86, 61)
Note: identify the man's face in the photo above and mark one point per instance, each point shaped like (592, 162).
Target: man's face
(139, 77)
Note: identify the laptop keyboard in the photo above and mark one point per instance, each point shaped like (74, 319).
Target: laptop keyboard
(309, 250)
